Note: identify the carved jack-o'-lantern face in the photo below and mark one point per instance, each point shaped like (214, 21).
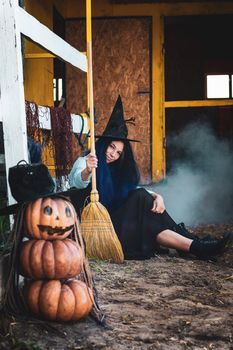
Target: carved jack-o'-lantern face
(50, 218)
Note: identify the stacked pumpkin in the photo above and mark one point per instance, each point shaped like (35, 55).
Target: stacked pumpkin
(52, 261)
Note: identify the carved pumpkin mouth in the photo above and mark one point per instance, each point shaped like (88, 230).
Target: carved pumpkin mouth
(54, 230)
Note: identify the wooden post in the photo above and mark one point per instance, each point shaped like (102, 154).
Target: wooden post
(158, 112)
(90, 94)
(12, 101)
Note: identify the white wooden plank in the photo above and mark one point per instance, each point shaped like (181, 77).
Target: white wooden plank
(12, 105)
(42, 35)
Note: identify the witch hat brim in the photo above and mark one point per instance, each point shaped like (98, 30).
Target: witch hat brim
(116, 128)
(116, 138)
(13, 208)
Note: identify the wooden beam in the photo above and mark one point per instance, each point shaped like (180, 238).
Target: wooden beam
(12, 105)
(158, 119)
(39, 55)
(39, 33)
(199, 103)
(105, 8)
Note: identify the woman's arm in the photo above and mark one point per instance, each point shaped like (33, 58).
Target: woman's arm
(80, 175)
(158, 203)
(75, 176)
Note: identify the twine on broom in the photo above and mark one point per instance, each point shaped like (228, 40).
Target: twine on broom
(96, 226)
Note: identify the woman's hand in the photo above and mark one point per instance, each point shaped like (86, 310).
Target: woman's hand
(91, 163)
(158, 204)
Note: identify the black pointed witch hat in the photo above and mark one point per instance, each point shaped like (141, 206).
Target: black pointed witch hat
(116, 128)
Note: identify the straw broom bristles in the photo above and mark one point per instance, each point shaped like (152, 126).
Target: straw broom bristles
(99, 234)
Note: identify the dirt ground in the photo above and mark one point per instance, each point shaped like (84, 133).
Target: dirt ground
(167, 302)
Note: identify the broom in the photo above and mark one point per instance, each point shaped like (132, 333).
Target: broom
(96, 226)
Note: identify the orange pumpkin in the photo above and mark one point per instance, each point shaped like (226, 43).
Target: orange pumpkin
(50, 259)
(53, 300)
(49, 218)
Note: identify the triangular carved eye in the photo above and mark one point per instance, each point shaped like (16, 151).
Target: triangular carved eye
(48, 210)
(68, 212)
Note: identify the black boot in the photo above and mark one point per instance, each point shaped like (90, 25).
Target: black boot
(207, 249)
(182, 230)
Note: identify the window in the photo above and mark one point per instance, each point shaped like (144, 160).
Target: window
(219, 86)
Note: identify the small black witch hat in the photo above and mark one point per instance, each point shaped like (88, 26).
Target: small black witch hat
(29, 182)
(116, 128)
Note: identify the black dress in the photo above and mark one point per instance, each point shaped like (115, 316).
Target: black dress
(137, 226)
(134, 222)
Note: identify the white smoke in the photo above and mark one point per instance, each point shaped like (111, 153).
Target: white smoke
(200, 188)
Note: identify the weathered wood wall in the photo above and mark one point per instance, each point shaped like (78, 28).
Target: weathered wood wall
(121, 65)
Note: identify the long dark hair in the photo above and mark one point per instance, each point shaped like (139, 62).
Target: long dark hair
(117, 179)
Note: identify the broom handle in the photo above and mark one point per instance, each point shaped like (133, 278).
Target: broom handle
(90, 97)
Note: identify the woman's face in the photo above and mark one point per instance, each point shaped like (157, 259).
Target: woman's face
(114, 151)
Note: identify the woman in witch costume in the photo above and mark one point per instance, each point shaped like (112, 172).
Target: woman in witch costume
(138, 216)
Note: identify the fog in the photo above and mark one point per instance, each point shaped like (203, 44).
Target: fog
(199, 190)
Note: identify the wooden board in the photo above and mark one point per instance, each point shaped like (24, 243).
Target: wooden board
(121, 65)
(159, 1)
(39, 33)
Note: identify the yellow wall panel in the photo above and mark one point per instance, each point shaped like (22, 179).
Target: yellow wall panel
(38, 73)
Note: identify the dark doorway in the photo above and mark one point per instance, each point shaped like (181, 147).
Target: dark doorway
(194, 47)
